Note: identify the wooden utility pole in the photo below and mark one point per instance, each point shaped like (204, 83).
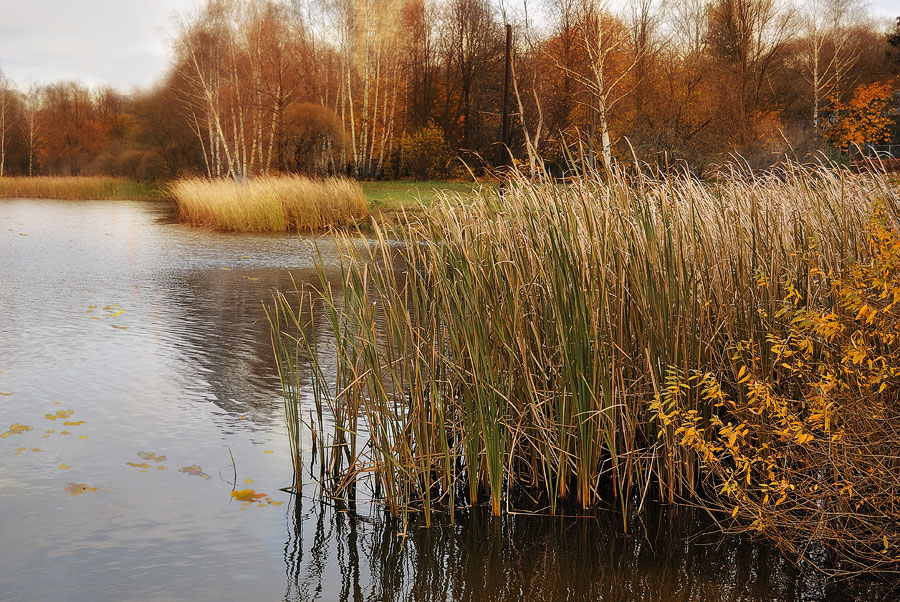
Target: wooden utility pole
(504, 133)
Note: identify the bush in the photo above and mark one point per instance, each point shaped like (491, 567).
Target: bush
(803, 444)
(425, 153)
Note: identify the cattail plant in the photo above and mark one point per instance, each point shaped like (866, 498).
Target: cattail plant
(502, 347)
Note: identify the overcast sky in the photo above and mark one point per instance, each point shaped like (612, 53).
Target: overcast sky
(118, 42)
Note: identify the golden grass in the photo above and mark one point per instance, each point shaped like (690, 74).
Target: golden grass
(269, 204)
(76, 188)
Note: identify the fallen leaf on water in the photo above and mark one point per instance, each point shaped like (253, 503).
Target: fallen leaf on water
(245, 257)
(22, 234)
(94, 318)
(110, 307)
(268, 451)
(63, 466)
(65, 433)
(74, 423)
(226, 269)
(36, 449)
(59, 414)
(138, 465)
(145, 455)
(161, 468)
(194, 471)
(82, 437)
(79, 488)
(248, 481)
(120, 327)
(16, 429)
(6, 394)
(247, 495)
(118, 313)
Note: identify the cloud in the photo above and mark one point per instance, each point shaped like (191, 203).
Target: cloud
(117, 42)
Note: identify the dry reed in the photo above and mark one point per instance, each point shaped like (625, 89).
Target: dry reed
(269, 204)
(502, 345)
(76, 188)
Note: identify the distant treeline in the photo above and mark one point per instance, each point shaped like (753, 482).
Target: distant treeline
(415, 88)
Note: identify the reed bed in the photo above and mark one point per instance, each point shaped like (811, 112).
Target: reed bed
(76, 188)
(269, 204)
(503, 348)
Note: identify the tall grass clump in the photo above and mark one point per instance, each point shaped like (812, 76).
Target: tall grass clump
(269, 204)
(76, 188)
(513, 347)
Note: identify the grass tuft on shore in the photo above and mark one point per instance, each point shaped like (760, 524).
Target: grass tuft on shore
(269, 204)
(77, 188)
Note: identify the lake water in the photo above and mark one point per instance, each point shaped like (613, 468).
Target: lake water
(125, 337)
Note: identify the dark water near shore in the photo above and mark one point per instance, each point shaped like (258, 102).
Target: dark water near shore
(147, 336)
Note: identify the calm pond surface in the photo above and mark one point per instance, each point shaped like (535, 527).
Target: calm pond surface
(125, 337)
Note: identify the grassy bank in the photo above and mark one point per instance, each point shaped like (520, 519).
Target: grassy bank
(77, 188)
(272, 204)
(547, 344)
(389, 199)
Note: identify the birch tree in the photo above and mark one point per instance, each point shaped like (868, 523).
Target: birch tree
(30, 124)
(5, 118)
(828, 51)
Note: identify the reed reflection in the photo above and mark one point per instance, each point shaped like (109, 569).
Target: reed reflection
(332, 553)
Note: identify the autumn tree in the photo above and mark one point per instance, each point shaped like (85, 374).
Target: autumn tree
(864, 119)
(30, 124)
(827, 50)
(5, 118)
(72, 132)
(747, 38)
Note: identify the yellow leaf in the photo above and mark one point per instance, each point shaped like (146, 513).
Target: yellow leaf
(59, 414)
(150, 456)
(63, 466)
(79, 488)
(247, 495)
(16, 429)
(194, 471)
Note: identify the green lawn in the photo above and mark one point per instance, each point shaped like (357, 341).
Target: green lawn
(388, 198)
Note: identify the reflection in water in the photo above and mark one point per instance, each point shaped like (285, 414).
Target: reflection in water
(335, 554)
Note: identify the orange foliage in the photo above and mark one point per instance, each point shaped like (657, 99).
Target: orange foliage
(864, 119)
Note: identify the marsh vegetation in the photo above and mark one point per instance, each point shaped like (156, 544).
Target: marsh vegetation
(605, 343)
(102, 188)
(271, 204)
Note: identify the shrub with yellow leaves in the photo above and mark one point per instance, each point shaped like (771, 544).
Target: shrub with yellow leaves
(801, 441)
